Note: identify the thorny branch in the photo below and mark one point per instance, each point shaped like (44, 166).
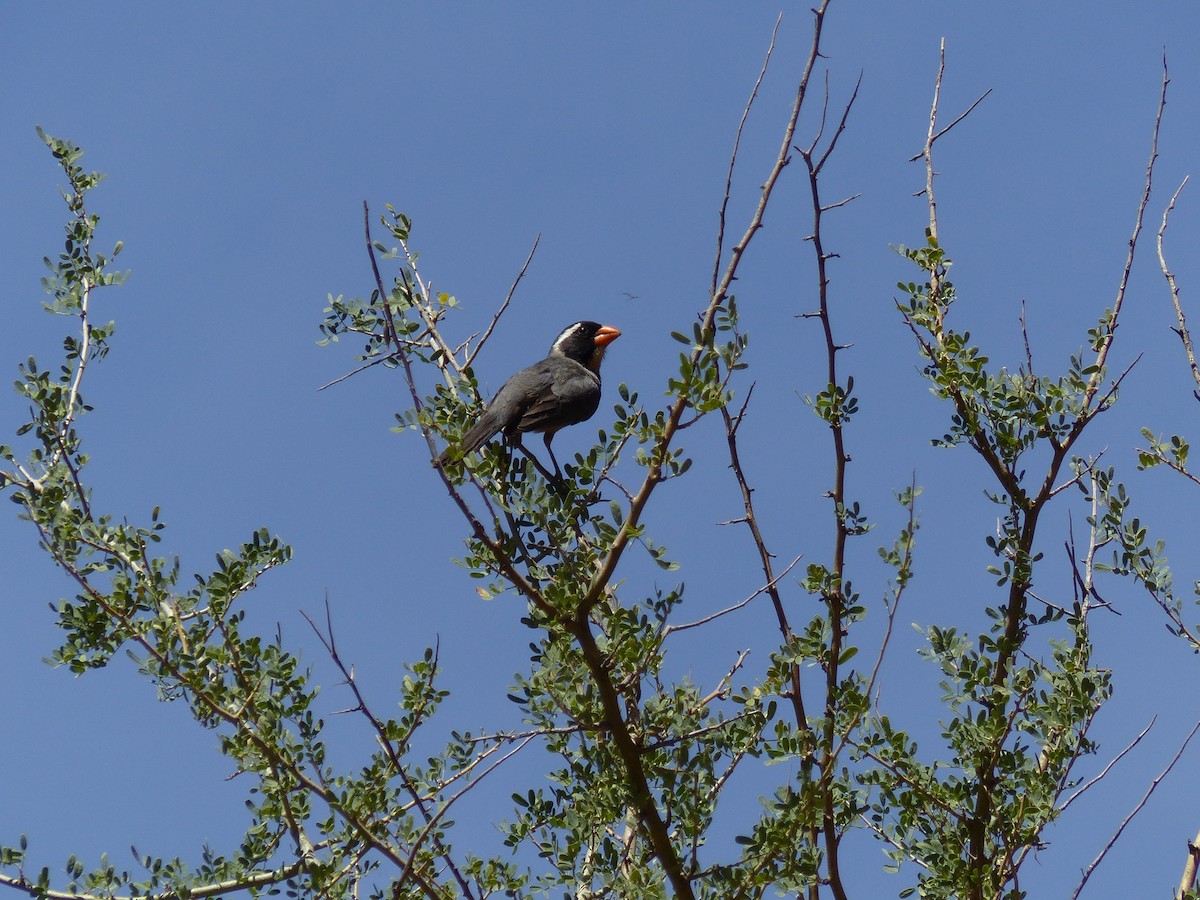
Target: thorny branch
(620, 729)
(1025, 507)
(836, 602)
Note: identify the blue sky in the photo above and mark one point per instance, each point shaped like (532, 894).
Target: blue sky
(239, 149)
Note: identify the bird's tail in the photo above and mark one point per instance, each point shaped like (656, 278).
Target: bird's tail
(478, 435)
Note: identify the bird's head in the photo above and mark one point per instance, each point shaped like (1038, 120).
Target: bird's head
(585, 342)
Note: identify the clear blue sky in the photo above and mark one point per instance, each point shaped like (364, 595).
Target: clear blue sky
(240, 142)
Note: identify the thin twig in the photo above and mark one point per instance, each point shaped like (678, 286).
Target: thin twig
(1025, 340)
(1184, 335)
(894, 606)
(838, 205)
(1103, 772)
(841, 127)
(1087, 873)
(969, 110)
(503, 306)
(1106, 343)
(376, 361)
(671, 629)
(737, 142)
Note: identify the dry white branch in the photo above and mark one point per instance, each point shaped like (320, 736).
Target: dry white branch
(1184, 335)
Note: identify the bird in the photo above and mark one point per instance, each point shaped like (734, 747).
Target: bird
(563, 389)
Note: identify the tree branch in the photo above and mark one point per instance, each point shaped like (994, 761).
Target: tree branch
(1087, 873)
(1184, 335)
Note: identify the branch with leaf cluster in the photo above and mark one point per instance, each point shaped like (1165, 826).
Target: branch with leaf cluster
(596, 682)
(1006, 791)
(311, 827)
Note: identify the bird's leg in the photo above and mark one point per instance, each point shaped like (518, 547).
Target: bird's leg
(547, 438)
(557, 481)
(537, 463)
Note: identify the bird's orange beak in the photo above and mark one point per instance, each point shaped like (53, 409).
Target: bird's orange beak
(606, 335)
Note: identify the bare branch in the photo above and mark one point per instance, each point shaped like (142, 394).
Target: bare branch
(503, 306)
(737, 142)
(1103, 772)
(837, 134)
(376, 361)
(894, 606)
(1184, 335)
(1106, 343)
(840, 203)
(671, 629)
(1087, 873)
(969, 110)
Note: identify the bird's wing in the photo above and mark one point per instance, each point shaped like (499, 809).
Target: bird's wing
(507, 411)
(566, 393)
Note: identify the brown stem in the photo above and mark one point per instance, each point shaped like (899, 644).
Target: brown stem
(835, 601)
(716, 302)
(630, 750)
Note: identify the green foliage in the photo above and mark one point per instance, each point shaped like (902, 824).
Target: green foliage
(705, 370)
(190, 644)
(641, 756)
(1016, 725)
(1135, 555)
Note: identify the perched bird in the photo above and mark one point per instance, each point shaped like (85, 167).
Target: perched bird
(563, 389)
